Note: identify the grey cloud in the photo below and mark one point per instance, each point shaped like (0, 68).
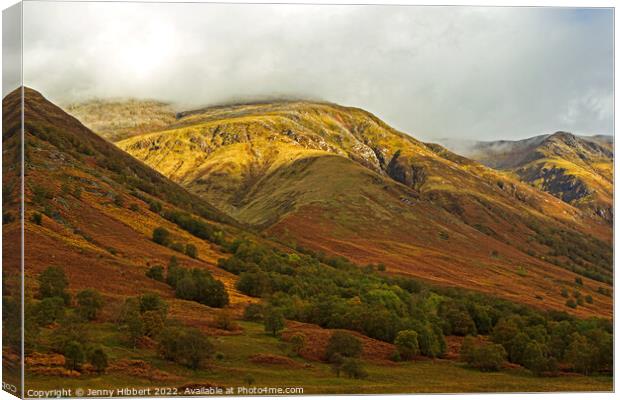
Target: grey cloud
(432, 72)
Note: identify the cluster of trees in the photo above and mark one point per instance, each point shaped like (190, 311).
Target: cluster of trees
(162, 236)
(146, 316)
(198, 228)
(191, 284)
(54, 305)
(334, 293)
(343, 351)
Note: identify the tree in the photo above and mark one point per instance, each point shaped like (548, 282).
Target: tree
(37, 218)
(156, 272)
(274, 321)
(74, 355)
(53, 283)
(343, 344)
(161, 236)
(191, 250)
(533, 358)
(485, 357)
(354, 369)
(152, 323)
(579, 354)
(49, 310)
(153, 302)
(89, 303)
(99, 359)
(186, 346)
(407, 344)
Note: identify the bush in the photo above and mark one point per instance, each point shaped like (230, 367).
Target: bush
(225, 322)
(185, 346)
(89, 303)
(37, 218)
(156, 272)
(407, 344)
(579, 281)
(565, 292)
(53, 283)
(343, 344)
(161, 236)
(589, 299)
(571, 303)
(178, 246)
(152, 323)
(191, 250)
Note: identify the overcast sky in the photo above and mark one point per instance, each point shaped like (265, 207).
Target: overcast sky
(433, 72)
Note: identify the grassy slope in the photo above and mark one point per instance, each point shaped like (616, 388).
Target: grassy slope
(438, 376)
(319, 175)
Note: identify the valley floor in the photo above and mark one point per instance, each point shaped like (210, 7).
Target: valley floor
(235, 365)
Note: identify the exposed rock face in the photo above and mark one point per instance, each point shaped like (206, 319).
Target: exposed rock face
(402, 170)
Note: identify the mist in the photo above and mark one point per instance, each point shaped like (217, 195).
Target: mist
(472, 73)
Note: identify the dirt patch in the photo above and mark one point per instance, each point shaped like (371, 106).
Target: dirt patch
(273, 359)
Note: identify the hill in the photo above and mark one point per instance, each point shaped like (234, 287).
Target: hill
(339, 180)
(576, 169)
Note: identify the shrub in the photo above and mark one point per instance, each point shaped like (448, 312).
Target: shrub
(225, 322)
(579, 281)
(343, 344)
(161, 236)
(407, 344)
(191, 250)
(134, 207)
(565, 292)
(89, 303)
(37, 218)
(589, 299)
(274, 321)
(156, 272)
(571, 303)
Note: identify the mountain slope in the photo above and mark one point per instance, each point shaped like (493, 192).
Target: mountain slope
(93, 203)
(578, 170)
(339, 180)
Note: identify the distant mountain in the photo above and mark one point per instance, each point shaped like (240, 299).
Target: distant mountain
(341, 181)
(576, 169)
(131, 117)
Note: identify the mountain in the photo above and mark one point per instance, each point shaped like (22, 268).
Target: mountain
(340, 181)
(576, 169)
(130, 116)
(89, 209)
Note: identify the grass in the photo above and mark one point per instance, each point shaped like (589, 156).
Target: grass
(440, 376)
